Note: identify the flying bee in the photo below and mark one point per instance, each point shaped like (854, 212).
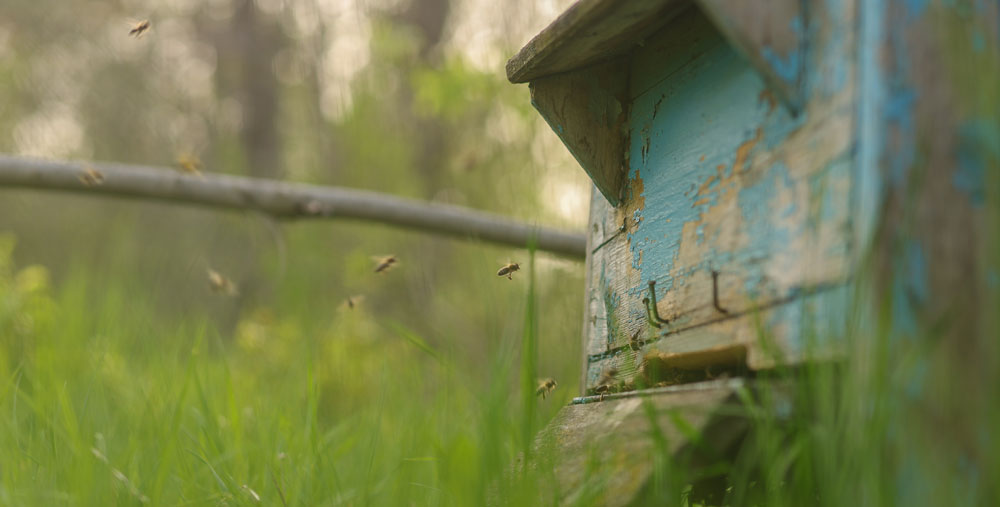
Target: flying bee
(508, 270)
(545, 387)
(139, 28)
(91, 177)
(352, 302)
(383, 264)
(221, 284)
(189, 164)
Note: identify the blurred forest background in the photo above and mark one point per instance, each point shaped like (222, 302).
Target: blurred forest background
(125, 377)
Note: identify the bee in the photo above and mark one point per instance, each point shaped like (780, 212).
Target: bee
(91, 177)
(606, 382)
(508, 270)
(352, 302)
(189, 164)
(221, 284)
(634, 342)
(545, 387)
(602, 390)
(139, 28)
(383, 264)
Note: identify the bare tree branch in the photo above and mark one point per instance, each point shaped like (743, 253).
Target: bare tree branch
(281, 200)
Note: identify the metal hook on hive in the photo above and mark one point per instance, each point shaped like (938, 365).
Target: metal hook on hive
(715, 293)
(652, 314)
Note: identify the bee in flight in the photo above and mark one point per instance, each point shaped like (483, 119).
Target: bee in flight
(545, 387)
(91, 177)
(221, 284)
(383, 264)
(508, 270)
(352, 302)
(189, 164)
(139, 28)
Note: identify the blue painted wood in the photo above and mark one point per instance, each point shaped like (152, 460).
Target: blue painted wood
(723, 178)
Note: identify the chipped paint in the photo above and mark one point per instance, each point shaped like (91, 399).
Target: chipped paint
(723, 179)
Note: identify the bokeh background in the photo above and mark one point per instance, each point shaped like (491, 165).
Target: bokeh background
(126, 379)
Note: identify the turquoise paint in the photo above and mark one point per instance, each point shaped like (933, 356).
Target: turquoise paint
(866, 188)
(789, 67)
(786, 68)
(915, 8)
(710, 107)
(899, 114)
(978, 142)
(816, 318)
(910, 289)
(978, 41)
(766, 235)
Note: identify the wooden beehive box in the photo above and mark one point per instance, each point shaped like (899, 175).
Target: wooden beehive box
(749, 157)
(718, 135)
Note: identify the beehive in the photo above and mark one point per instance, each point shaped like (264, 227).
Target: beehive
(749, 158)
(719, 140)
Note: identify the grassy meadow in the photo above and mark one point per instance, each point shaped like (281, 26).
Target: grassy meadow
(106, 401)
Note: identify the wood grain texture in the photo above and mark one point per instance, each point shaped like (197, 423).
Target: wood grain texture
(724, 179)
(588, 32)
(615, 435)
(588, 110)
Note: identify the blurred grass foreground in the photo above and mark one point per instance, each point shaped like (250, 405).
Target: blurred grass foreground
(125, 379)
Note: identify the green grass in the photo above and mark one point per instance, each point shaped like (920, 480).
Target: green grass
(104, 400)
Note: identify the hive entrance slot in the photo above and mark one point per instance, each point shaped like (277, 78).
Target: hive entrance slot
(661, 369)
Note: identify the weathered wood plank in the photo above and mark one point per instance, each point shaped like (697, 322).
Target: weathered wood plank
(811, 326)
(588, 32)
(771, 34)
(724, 181)
(588, 110)
(616, 435)
(686, 38)
(604, 227)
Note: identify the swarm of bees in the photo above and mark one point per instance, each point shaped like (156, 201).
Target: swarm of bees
(139, 28)
(545, 386)
(91, 177)
(508, 270)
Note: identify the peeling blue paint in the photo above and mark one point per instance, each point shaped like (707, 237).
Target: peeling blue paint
(789, 67)
(678, 183)
(786, 68)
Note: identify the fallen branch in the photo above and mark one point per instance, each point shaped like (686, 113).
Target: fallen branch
(281, 200)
